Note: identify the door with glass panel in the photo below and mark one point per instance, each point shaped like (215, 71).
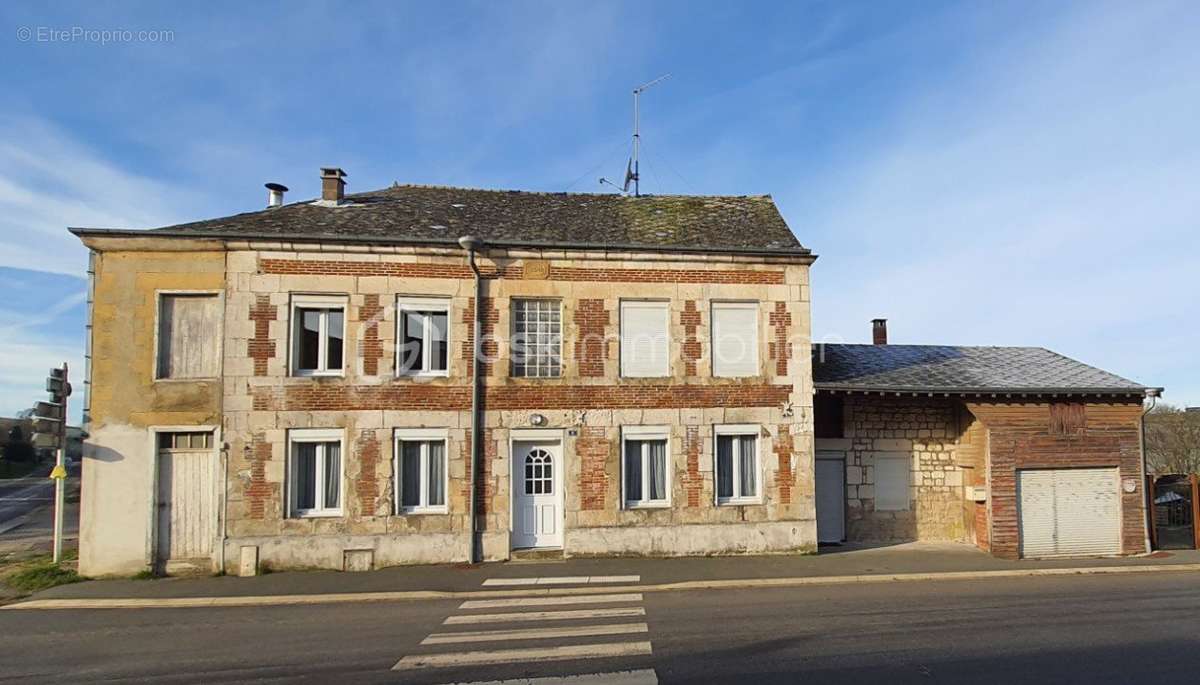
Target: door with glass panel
(537, 495)
(187, 500)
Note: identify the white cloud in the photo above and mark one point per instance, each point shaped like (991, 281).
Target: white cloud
(49, 181)
(1047, 197)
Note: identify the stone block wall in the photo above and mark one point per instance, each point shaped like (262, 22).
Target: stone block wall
(589, 403)
(926, 432)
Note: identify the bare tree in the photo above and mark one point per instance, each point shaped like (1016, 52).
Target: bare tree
(1172, 440)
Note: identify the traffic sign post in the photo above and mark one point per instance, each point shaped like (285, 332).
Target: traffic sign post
(50, 431)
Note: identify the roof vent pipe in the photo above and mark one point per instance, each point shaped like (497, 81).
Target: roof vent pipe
(879, 331)
(333, 184)
(275, 193)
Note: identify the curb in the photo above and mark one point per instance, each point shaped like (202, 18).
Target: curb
(728, 584)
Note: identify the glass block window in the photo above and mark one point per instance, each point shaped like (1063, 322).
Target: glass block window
(537, 339)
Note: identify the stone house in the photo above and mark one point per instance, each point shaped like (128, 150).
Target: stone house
(425, 374)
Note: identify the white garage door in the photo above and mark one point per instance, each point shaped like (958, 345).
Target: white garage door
(1069, 512)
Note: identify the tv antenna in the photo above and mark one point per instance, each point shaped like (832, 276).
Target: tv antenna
(631, 167)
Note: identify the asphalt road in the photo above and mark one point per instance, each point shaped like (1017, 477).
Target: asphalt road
(21, 496)
(1111, 629)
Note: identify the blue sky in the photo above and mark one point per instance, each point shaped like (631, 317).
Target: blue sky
(979, 173)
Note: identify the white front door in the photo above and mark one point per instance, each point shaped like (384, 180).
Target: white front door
(831, 499)
(537, 494)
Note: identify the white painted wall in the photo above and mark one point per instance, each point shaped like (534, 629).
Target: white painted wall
(116, 501)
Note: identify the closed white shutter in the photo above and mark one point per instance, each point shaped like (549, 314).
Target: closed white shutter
(735, 339)
(644, 339)
(892, 476)
(1069, 512)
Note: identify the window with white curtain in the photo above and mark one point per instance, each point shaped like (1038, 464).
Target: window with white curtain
(644, 339)
(738, 468)
(423, 338)
(421, 471)
(892, 476)
(646, 466)
(318, 335)
(315, 472)
(735, 339)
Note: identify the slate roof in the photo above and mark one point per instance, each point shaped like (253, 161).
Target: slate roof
(435, 214)
(960, 370)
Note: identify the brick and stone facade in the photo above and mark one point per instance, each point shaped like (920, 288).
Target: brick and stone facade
(590, 403)
(964, 455)
(262, 401)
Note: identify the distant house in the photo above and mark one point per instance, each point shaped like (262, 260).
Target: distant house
(302, 391)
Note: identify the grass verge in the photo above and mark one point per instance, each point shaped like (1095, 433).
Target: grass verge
(37, 574)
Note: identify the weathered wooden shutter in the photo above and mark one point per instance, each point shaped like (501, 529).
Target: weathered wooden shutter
(189, 336)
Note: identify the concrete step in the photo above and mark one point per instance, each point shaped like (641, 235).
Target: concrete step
(538, 554)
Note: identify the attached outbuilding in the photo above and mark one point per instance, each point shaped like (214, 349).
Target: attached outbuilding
(1022, 451)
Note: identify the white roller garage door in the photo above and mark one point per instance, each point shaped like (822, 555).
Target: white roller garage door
(1069, 512)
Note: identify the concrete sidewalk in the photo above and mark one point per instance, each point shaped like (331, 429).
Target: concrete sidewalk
(913, 561)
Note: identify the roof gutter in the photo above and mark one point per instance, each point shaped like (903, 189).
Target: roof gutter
(802, 253)
(994, 391)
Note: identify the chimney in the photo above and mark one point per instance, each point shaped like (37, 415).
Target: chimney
(879, 331)
(333, 185)
(275, 193)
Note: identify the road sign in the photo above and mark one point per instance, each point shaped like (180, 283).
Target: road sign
(50, 432)
(57, 386)
(42, 424)
(47, 410)
(44, 441)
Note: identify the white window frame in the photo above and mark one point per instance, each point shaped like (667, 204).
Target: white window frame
(319, 302)
(751, 429)
(320, 435)
(646, 433)
(906, 460)
(752, 305)
(422, 304)
(658, 305)
(512, 325)
(220, 337)
(424, 435)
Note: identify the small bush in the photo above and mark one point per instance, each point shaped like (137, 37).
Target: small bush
(145, 574)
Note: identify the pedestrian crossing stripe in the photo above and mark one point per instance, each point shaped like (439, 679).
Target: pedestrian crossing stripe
(535, 633)
(567, 615)
(549, 601)
(508, 656)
